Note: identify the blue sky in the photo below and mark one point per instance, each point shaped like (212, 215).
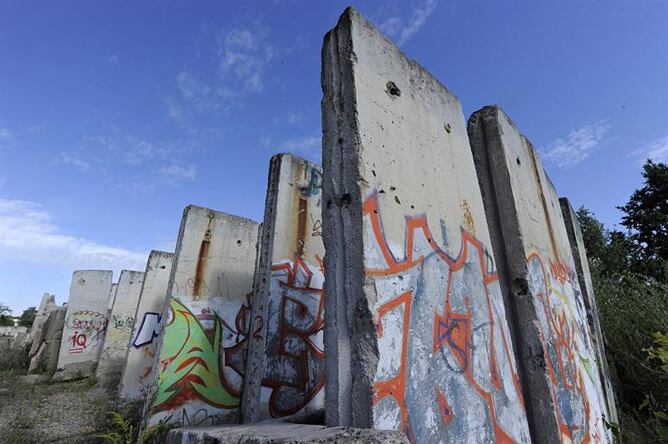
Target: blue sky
(116, 115)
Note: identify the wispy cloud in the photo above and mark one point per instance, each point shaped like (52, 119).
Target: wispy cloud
(402, 29)
(243, 55)
(6, 137)
(129, 161)
(236, 66)
(28, 233)
(577, 146)
(75, 160)
(309, 146)
(656, 150)
(177, 173)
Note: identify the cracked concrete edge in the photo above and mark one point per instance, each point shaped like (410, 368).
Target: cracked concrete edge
(348, 395)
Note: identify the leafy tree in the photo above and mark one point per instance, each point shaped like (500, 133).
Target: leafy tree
(646, 215)
(609, 252)
(6, 316)
(28, 317)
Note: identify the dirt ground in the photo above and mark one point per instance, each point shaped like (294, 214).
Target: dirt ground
(70, 412)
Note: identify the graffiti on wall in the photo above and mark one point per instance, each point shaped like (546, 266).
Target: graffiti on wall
(148, 330)
(571, 368)
(200, 353)
(294, 366)
(446, 369)
(87, 328)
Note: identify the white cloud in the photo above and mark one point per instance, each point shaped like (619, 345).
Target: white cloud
(403, 29)
(578, 146)
(113, 59)
(308, 145)
(27, 233)
(176, 173)
(657, 150)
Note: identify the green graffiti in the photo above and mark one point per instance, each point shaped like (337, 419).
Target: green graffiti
(190, 362)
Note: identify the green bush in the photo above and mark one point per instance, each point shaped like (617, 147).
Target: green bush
(13, 358)
(633, 311)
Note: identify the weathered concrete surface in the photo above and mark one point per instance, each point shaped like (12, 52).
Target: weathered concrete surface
(137, 373)
(286, 351)
(46, 359)
(112, 296)
(556, 354)
(587, 289)
(85, 324)
(46, 306)
(203, 345)
(416, 333)
(275, 431)
(119, 330)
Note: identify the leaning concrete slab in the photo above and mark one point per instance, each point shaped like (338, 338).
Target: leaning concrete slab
(137, 373)
(46, 359)
(119, 330)
(416, 333)
(85, 324)
(46, 306)
(556, 354)
(203, 345)
(286, 351)
(587, 289)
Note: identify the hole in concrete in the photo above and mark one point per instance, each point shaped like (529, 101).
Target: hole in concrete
(162, 267)
(381, 191)
(518, 161)
(239, 242)
(373, 172)
(82, 281)
(393, 89)
(393, 188)
(396, 199)
(447, 127)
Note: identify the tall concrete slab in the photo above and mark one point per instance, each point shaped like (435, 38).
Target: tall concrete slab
(556, 354)
(138, 370)
(285, 372)
(416, 329)
(85, 324)
(119, 330)
(202, 348)
(587, 288)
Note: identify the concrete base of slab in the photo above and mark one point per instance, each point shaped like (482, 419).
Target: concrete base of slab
(35, 379)
(282, 432)
(75, 372)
